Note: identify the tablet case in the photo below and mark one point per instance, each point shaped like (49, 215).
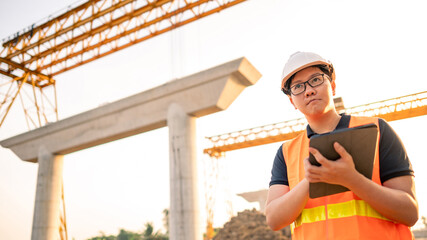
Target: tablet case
(359, 142)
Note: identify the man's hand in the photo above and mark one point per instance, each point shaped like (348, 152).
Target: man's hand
(342, 171)
(395, 199)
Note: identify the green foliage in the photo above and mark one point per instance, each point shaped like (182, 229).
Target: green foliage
(148, 230)
(147, 234)
(166, 220)
(127, 235)
(103, 237)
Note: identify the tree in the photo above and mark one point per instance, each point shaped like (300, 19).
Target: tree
(147, 234)
(127, 235)
(166, 220)
(103, 237)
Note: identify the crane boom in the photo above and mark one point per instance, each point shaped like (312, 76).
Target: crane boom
(80, 35)
(97, 28)
(391, 109)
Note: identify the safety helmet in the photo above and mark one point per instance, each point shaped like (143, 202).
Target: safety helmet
(301, 60)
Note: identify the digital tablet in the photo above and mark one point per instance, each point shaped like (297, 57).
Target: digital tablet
(359, 142)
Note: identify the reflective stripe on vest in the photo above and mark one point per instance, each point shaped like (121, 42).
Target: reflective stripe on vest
(342, 215)
(338, 210)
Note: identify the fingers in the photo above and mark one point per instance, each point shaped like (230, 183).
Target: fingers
(311, 171)
(334, 172)
(341, 150)
(319, 157)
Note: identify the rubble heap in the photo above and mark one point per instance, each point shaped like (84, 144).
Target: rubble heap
(250, 225)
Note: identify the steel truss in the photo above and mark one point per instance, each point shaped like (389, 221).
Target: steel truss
(392, 109)
(90, 31)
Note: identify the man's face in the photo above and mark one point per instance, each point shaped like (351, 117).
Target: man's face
(313, 101)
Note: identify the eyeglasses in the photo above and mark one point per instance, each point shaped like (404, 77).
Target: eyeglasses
(313, 82)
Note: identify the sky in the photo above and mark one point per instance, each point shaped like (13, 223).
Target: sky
(378, 49)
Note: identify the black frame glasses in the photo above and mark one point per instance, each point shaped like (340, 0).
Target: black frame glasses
(300, 88)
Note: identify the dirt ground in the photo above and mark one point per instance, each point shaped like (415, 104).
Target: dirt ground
(250, 225)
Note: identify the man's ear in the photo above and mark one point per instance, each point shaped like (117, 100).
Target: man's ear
(333, 85)
(292, 102)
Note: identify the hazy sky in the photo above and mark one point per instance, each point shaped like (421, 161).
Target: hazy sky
(377, 47)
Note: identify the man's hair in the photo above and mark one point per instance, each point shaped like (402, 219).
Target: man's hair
(324, 68)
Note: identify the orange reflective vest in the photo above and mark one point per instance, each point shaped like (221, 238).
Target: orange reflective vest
(342, 215)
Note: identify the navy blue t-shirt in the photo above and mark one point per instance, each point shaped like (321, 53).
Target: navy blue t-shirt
(394, 161)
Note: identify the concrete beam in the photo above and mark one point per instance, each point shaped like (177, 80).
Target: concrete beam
(198, 95)
(259, 196)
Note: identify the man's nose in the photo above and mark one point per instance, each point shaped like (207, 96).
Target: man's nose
(309, 90)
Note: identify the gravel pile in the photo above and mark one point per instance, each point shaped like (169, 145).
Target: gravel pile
(250, 225)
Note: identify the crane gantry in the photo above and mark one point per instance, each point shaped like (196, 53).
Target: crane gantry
(397, 108)
(92, 30)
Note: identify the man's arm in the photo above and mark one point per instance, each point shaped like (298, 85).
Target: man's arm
(284, 206)
(395, 199)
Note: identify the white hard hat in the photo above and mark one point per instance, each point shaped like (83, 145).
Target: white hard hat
(301, 60)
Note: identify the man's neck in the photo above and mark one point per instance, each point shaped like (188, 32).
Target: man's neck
(324, 123)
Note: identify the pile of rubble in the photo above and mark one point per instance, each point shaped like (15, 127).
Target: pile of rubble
(250, 225)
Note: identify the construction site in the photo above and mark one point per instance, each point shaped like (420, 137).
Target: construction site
(112, 111)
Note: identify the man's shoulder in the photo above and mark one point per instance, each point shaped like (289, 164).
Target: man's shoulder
(300, 140)
(367, 118)
(298, 137)
(381, 122)
(362, 120)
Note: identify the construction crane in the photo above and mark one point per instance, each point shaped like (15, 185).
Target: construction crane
(33, 57)
(398, 108)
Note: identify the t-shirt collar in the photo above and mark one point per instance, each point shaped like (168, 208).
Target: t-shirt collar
(343, 123)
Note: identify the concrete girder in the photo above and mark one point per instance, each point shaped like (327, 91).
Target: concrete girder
(199, 94)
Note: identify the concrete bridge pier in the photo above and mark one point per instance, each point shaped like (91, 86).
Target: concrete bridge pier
(46, 220)
(175, 104)
(184, 201)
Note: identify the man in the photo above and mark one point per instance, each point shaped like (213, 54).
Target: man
(379, 208)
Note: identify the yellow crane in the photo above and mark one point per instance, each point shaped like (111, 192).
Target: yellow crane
(33, 57)
(398, 108)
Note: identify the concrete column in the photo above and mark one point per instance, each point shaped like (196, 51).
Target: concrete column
(46, 219)
(184, 199)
